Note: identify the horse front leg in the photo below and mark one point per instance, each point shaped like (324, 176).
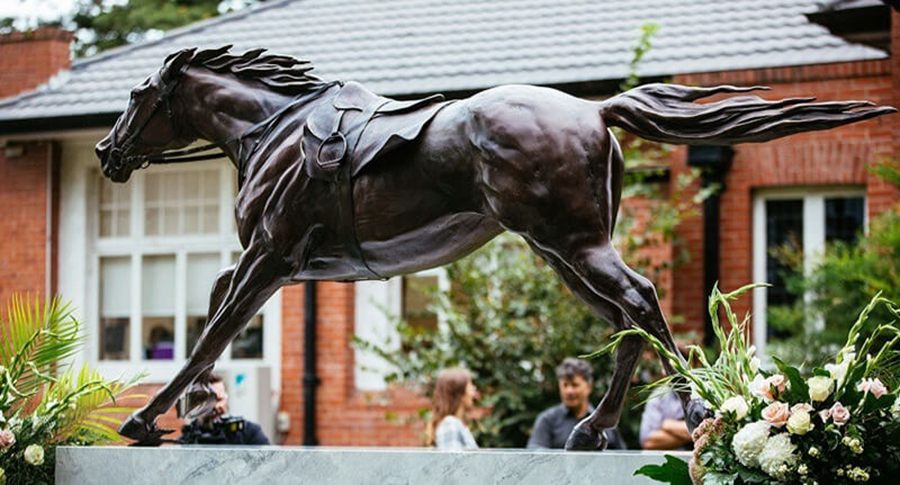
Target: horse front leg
(257, 275)
(200, 396)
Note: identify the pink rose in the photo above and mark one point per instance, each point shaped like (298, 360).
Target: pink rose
(776, 414)
(839, 414)
(801, 407)
(873, 386)
(7, 439)
(773, 386)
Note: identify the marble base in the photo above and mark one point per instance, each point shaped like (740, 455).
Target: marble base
(338, 466)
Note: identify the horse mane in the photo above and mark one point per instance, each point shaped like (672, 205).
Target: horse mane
(284, 74)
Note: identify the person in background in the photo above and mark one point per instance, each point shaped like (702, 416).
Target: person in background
(553, 426)
(454, 395)
(663, 426)
(218, 428)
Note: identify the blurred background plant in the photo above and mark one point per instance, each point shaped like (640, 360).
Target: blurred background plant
(509, 318)
(45, 401)
(812, 329)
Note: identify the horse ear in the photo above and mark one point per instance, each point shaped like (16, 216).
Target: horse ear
(173, 64)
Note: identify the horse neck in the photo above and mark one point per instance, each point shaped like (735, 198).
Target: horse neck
(221, 108)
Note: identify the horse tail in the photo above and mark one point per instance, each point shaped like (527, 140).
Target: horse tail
(667, 113)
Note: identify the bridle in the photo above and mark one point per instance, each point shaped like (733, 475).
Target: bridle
(118, 155)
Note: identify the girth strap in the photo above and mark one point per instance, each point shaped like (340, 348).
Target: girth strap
(346, 225)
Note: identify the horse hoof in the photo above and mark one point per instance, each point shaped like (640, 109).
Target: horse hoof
(696, 411)
(143, 433)
(585, 438)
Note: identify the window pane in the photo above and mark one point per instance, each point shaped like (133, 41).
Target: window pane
(249, 344)
(158, 336)
(158, 306)
(182, 202)
(417, 292)
(114, 210)
(844, 218)
(784, 225)
(201, 274)
(115, 306)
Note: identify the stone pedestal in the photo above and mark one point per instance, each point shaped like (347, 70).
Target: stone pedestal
(339, 466)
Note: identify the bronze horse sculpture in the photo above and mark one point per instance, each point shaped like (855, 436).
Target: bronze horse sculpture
(337, 183)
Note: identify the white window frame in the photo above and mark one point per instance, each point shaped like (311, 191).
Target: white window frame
(813, 240)
(80, 252)
(377, 305)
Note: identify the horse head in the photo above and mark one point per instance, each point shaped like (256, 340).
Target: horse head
(149, 125)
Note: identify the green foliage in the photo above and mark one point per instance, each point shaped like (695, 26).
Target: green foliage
(43, 401)
(674, 471)
(713, 381)
(848, 277)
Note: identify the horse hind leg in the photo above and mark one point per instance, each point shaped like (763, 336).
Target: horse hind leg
(589, 435)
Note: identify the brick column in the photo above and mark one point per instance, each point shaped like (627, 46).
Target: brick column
(29, 59)
(27, 198)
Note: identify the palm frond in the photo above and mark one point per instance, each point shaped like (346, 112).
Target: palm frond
(36, 338)
(92, 403)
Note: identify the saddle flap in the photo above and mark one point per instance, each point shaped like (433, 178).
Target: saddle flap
(394, 106)
(354, 96)
(321, 121)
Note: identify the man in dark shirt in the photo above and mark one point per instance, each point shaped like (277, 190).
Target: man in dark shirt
(217, 428)
(552, 427)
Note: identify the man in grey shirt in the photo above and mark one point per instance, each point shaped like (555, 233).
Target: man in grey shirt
(552, 427)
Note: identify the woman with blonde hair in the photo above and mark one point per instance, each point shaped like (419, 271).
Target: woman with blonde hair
(454, 394)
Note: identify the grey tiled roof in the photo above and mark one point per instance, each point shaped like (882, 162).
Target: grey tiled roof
(419, 46)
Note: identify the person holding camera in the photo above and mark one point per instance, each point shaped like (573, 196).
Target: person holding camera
(218, 428)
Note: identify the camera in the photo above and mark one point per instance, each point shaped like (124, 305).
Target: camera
(220, 431)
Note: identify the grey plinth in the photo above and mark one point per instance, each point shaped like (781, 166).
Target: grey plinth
(338, 466)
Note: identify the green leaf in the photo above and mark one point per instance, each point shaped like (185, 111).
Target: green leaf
(674, 471)
(798, 391)
(818, 371)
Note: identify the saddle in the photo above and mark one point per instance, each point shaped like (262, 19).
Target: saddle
(357, 126)
(346, 133)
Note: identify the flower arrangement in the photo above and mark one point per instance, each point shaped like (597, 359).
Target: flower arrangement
(836, 424)
(43, 401)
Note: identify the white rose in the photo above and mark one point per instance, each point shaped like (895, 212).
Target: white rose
(34, 455)
(736, 405)
(799, 423)
(777, 456)
(820, 387)
(749, 441)
(838, 371)
(757, 386)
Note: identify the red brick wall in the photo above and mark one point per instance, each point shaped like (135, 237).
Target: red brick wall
(344, 415)
(28, 59)
(23, 223)
(833, 157)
